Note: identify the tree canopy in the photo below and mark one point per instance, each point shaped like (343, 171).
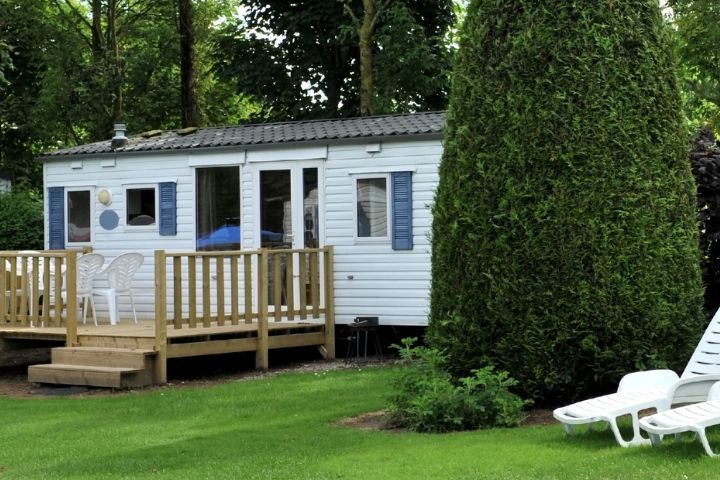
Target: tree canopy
(302, 59)
(70, 69)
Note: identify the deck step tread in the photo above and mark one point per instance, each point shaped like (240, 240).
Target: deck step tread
(90, 375)
(136, 351)
(88, 368)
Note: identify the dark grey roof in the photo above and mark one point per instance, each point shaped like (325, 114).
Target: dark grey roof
(270, 133)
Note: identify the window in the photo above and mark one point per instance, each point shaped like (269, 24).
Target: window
(141, 206)
(372, 207)
(217, 203)
(78, 216)
(384, 209)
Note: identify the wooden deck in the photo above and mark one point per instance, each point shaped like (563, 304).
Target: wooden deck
(266, 308)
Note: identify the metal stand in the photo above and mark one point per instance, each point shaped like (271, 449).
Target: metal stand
(363, 331)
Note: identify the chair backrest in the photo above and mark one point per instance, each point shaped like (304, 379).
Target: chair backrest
(122, 269)
(87, 267)
(706, 358)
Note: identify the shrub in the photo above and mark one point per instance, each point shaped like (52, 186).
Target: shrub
(429, 400)
(564, 237)
(21, 221)
(705, 160)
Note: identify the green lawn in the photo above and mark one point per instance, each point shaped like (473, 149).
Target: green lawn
(284, 427)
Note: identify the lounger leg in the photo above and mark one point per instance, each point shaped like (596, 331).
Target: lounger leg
(616, 431)
(705, 443)
(656, 439)
(569, 429)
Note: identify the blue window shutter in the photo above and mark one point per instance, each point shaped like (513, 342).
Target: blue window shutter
(168, 208)
(402, 225)
(56, 218)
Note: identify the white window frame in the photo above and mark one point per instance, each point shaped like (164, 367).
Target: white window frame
(91, 191)
(388, 212)
(142, 186)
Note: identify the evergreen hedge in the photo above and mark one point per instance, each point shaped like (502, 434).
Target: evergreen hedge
(565, 244)
(21, 221)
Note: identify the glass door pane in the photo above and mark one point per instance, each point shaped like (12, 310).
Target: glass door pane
(275, 209)
(311, 227)
(218, 208)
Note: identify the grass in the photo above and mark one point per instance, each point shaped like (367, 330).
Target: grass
(285, 427)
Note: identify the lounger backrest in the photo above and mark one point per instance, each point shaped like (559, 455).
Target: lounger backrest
(706, 358)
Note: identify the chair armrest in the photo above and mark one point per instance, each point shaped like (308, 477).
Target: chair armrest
(693, 389)
(648, 380)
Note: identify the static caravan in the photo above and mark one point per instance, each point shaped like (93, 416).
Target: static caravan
(361, 185)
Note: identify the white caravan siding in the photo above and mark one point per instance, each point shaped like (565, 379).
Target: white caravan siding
(372, 279)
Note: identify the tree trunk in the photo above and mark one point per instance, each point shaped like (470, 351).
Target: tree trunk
(190, 113)
(366, 68)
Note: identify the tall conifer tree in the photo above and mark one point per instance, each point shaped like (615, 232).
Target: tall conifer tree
(564, 238)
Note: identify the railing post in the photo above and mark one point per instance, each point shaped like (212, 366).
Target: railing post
(71, 293)
(261, 356)
(160, 317)
(329, 304)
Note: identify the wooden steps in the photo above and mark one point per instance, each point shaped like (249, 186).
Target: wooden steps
(96, 367)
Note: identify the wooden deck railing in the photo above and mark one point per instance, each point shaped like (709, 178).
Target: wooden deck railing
(200, 290)
(39, 289)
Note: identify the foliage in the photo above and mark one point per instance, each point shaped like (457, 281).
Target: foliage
(564, 238)
(21, 221)
(301, 59)
(705, 159)
(428, 399)
(698, 29)
(63, 88)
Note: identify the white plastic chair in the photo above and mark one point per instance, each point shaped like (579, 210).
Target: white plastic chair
(120, 273)
(658, 389)
(691, 418)
(87, 268)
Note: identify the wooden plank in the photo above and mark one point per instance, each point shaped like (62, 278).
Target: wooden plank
(4, 292)
(192, 292)
(13, 292)
(296, 340)
(56, 321)
(177, 292)
(35, 288)
(314, 284)
(329, 304)
(261, 355)
(160, 373)
(105, 357)
(24, 286)
(220, 275)
(71, 294)
(47, 288)
(277, 287)
(248, 288)
(234, 300)
(206, 290)
(289, 286)
(212, 347)
(302, 260)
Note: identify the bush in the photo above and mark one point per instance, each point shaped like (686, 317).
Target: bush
(564, 237)
(705, 160)
(429, 400)
(21, 221)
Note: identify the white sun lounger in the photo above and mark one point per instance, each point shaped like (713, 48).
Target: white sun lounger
(658, 389)
(691, 418)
